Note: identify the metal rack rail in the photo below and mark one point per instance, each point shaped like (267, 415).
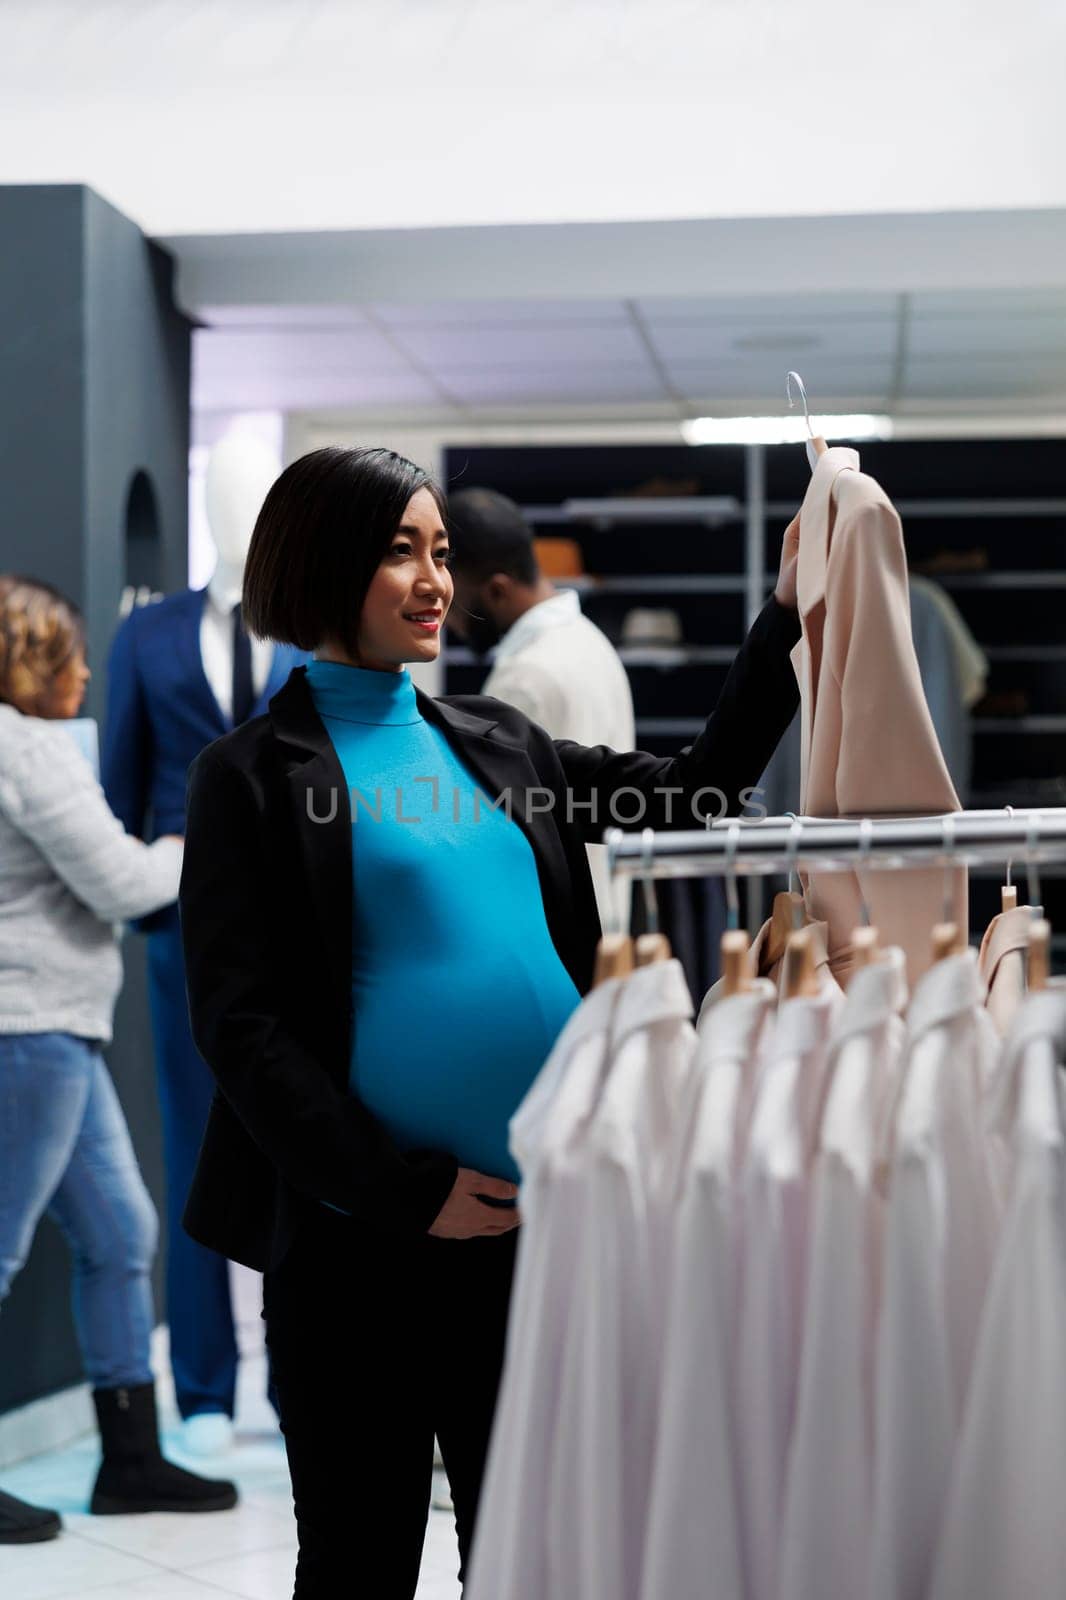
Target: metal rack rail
(781, 844)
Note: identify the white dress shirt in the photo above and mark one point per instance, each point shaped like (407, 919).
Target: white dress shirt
(693, 1529)
(939, 1241)
(606, 1417)
(775, 1200)
(1004, 1534)
(565, 674)
(216, 649)
(829, 1498)
(509, 1558)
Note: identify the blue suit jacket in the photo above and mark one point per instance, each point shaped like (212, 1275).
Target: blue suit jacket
(161, 713)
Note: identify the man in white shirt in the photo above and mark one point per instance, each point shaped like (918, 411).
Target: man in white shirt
(551, 662)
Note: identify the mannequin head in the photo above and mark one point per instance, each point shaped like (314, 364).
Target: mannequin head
(239, 473)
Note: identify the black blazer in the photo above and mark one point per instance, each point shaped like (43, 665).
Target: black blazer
(266, 914)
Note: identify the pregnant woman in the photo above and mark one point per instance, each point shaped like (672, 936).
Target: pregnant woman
(388, 917)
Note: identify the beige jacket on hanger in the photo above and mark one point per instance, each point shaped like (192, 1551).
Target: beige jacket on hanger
(766, 957)
(868, 743)
(1003, 962)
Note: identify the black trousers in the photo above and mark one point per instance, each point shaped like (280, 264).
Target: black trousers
(378, 1343)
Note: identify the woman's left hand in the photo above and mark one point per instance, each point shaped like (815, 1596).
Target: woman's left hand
(785, 592)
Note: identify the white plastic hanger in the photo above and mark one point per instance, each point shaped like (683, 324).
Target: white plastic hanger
(816, 445)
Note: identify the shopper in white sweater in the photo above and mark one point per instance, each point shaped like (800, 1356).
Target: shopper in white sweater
(69, 873)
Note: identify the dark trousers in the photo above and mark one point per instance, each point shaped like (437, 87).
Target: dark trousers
(377, 1344)
(203, 1345)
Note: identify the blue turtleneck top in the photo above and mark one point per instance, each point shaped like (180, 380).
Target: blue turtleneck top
(458, 992)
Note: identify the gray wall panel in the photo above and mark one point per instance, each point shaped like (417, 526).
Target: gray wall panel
(96, 390)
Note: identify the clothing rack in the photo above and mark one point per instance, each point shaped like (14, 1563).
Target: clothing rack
(761, 847)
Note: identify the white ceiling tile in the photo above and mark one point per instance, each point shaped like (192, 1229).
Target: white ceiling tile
(786, 344)
(981, 303)
(767, 308)
(631, 382)
(284, 350)
(487, 313)
(256, 388)
(971, 380)
(1014, 338)
(575, 347)
(767, 376)
(282, 316)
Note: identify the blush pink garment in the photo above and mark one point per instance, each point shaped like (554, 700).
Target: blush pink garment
(868, 743)
(1002, 962)
(766, 955)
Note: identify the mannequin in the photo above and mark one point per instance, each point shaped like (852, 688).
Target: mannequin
(171, 686)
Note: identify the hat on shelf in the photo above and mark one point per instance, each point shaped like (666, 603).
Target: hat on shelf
(652, 625)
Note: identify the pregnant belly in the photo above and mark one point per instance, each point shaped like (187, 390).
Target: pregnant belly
(445, 1063)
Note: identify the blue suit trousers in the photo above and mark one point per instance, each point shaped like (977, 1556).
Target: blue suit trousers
(203, 1343)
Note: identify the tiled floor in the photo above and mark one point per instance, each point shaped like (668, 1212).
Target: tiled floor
(248, 1552)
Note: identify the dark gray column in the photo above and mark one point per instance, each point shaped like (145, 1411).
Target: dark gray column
(94, 444)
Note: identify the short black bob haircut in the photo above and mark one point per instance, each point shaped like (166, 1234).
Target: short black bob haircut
(491, 535)
(325, 527)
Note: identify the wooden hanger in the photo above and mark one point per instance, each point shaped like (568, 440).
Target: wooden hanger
(801, 972)
(652, 947)
(736, 950)
(947, 941)
(783, 924)
(614, 958)
(866, 949)
(1039, 965)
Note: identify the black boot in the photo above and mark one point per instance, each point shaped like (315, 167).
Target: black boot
(23, 1524)
(133, 1474)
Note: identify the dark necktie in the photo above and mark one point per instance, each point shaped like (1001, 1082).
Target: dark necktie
(243, 688)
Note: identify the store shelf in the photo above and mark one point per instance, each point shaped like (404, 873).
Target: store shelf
(669, 727)
(1019, 724)
(656, 583)
(999, 580)
(664, 656)
(1025, 652)
(712, 510)
(970, 510)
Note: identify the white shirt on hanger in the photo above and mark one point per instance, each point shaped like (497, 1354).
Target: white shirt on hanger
(828, 1504)
(775, 1202)
(693, 1528)
(1004, 1534)
(509, 1557)
(606, 1417)
(216, 649)
(939, 1241)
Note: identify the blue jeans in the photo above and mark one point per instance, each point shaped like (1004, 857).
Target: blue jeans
(65, 1149)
